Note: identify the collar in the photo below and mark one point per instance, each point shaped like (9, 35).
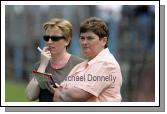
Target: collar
(105, 52)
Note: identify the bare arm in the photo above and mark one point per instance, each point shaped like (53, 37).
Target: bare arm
(32, 90)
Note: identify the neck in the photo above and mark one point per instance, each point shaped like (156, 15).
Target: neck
(58, 58)
(97, 52)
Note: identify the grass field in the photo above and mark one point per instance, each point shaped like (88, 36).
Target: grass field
(14, 91)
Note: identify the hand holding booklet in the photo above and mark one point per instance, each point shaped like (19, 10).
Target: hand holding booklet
(43, 78)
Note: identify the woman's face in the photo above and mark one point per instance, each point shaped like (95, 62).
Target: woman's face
(91, 44)
(57, 46)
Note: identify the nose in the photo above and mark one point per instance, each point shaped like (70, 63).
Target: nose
(49, 41)
(84, 41)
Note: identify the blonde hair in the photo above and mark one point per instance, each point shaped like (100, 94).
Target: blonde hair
(64, 25)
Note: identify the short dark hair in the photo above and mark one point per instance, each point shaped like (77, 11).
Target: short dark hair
(95, 25)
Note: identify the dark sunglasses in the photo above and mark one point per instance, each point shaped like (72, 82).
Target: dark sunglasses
(53, 38)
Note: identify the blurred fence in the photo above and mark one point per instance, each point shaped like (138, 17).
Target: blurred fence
(131, 41)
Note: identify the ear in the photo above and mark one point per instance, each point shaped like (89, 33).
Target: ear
(67, 41)
(66, 44)
(104, 41)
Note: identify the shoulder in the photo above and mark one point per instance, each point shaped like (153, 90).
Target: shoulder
(107, 63)
(75, 59)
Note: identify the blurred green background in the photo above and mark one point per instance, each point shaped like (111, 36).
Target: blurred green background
(14, 91)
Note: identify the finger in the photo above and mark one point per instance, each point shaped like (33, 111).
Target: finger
(48, 52)
(49, 56)
(45, 49)
(57, 85)
(49, 87)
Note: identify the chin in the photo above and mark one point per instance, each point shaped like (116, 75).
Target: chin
(88, 56)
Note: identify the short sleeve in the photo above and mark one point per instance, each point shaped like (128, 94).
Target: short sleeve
(98, 77)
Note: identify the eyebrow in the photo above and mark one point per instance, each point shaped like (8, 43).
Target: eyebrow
(89, 37)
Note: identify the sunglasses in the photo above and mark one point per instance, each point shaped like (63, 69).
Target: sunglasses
(53, 38)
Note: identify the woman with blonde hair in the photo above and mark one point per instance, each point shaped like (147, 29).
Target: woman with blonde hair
(55, 59)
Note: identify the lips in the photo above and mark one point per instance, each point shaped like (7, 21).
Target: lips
(51, 48)
(86, 48)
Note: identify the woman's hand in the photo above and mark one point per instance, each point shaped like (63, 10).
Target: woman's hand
(45, 57)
